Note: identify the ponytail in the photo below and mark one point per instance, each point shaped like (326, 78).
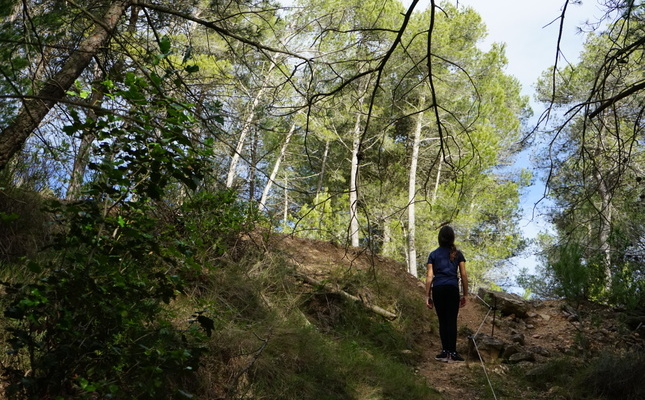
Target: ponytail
(447, 239)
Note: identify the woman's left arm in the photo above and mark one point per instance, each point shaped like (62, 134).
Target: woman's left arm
(429, 278)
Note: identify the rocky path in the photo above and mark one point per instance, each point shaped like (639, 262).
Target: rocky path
(526, 334)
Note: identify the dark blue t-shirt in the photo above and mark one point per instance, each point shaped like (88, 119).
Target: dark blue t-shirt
(445, 272)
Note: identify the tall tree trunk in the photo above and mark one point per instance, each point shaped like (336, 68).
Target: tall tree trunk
(286, 204)
(387, 239)
(601, 175)
(412, 191)
(604, 228)
(80, 165)
(83, 156)
(353, 182)
(34, 110)
(254, 162)
(323, 168)
(276, 168)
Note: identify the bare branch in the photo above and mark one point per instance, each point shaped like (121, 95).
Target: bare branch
(619, 96)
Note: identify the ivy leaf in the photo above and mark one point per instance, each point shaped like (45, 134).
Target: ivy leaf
(164, 45)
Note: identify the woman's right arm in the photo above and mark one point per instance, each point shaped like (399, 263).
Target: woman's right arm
(429, 278)
(464, 283)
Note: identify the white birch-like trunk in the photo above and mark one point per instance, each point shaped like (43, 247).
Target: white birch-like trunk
(246, 127)
(276, 168)
(353, 183)
(323, 168)
(412, 191)
(286, 203)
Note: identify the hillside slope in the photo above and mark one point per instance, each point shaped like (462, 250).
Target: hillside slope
(519, 353)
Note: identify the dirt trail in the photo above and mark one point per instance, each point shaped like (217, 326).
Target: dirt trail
(456, 380)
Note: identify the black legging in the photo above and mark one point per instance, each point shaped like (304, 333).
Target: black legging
(446, 302)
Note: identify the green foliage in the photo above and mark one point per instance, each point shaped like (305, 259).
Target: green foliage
(609, 376)
(94, 322)
(578, 278)
(23, 224)
(628, 286)
(303, 364)
(209, 221)
(614, 376)
(326, 219)
(596, 159)
(276, 339)
(567, 272)
(556, 372)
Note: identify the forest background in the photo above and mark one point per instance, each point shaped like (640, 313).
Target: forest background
(139, 138)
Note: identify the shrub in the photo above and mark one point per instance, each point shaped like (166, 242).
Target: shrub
(613, 376)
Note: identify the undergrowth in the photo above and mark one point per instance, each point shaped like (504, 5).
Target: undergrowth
(608, 376)
(277, 338)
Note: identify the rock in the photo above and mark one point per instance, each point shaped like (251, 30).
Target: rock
(510, 350)
(518, 338)
(490, 348)
(545, 317)
(521, 356)
(540, 350)
(525, 364)
(570, 313)
(506, 303)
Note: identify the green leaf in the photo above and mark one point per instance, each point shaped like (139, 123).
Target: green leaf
(8, 217)
(34, 267)
(164, 45)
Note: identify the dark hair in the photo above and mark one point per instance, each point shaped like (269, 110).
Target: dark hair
(447, 239)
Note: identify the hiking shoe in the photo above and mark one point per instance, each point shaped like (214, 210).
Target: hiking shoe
(443, 356)
(454, 357)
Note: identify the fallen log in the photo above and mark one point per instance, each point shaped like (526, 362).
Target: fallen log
(329, 287)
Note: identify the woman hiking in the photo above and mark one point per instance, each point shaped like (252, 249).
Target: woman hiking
(442, 290)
